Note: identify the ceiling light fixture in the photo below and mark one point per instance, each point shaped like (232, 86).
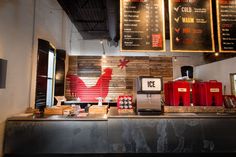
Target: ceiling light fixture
(217, 54)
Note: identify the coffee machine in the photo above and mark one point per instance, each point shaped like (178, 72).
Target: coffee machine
(147, 94)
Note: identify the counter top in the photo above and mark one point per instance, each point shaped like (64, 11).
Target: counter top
(114, 113)
(91, 117)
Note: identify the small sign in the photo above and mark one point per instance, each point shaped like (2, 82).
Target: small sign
(191, 26)
(142, 25)
(151, 84)
(182, 90)
(214, 90)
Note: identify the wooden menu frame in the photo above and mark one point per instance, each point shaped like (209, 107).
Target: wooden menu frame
(142, 50)
(219, 28)
(189, 50)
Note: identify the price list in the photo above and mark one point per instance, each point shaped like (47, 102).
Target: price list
(191, 27)
(142, 25)
(226, 17)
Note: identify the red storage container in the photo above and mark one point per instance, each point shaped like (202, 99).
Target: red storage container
(167, 93)
(196, 94)
(177, 93)
(199, 91)
(207, 93)
(214, 94)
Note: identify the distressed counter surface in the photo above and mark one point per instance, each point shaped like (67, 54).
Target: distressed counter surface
(172, 133)
(114, 113)
(122, 134)
(91, 117)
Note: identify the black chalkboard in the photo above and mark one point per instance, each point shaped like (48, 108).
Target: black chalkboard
(191, 27)
(226, 17)
(142, 25)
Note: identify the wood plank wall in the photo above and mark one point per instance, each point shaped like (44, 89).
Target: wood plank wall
(89, 68)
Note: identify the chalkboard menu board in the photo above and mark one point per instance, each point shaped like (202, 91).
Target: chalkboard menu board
(226, 17)
(142, 25)
(191, 27)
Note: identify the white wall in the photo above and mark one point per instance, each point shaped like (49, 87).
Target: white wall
(189, 59)
(17, 31)
(16, 47)
(219, 71)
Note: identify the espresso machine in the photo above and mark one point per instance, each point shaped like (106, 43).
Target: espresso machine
(147, 94)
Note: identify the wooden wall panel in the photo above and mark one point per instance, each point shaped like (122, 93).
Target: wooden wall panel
(117, 84)
(89, 70)
(161, 66)
(89, 66)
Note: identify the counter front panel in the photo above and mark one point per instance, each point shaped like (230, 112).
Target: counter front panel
(123, 134)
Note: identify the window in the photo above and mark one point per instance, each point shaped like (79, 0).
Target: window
(50, 78)
(45, 82)
(233, 83)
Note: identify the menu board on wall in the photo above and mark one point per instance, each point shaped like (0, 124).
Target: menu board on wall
(226, 20)
(142, 25)
(191, 26)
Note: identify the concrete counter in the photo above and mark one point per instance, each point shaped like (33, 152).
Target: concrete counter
(166, 134)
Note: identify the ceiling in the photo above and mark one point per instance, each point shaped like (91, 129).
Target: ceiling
(100, 19)
(91, 19)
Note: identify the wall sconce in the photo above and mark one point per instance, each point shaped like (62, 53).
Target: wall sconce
(103, 49)
(175, 59)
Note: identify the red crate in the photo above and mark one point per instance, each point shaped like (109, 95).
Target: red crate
(124, 102)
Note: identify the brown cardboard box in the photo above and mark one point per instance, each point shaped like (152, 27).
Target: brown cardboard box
(95, 109)
(57, 110)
